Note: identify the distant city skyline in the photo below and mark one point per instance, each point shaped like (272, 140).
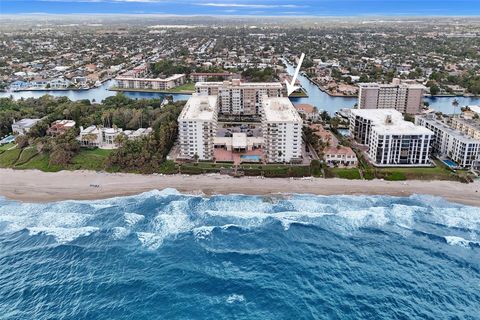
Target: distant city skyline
(247, 7)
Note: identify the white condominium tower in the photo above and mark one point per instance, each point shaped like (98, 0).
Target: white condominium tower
(458, 145)
(391, 140)
(240, 98)
(197, 126)
(403, 97)
(282, 130)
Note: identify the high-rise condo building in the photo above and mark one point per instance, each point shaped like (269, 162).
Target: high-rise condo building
(403, 97)
(240, 98)
(391, 140)
(282, 130)
(197, 126)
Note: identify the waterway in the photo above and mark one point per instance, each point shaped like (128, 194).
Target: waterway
(316, 97)
(324, 101)
(95, 94)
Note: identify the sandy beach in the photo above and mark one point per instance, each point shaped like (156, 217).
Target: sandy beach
(37, 186)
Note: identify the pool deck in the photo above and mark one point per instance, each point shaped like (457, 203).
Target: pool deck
(225, 155)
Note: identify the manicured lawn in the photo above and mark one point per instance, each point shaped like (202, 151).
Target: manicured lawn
(7, 146)
(40, 162)
(190, 87)
(440, 172)
(9, 157)
(26, 155)
(90, 159)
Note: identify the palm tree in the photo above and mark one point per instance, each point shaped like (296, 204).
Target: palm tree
(455, 105)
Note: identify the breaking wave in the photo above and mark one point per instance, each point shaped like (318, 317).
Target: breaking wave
(261, 256)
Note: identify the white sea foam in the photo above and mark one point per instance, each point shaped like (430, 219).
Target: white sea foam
(235, 298)
(133, 218)
(119, 233)
(203, 232)
(63, 235)
(459, 241)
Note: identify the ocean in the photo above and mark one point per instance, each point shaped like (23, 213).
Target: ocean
(167, 255)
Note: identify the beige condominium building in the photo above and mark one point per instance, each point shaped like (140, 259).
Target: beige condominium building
(403, 97)
(197, 127)
(282, 130)
(240, 98)
(391, 140)
(470, 127)
(126, 82)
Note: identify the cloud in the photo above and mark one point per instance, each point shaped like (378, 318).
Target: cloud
(249, 6)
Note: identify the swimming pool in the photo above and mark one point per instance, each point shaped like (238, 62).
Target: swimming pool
(251, 158)
(450, 163)
(7, 140)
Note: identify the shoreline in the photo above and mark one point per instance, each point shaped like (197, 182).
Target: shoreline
(38, 186)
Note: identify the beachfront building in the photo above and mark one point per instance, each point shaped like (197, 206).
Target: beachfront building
(126, 82)
(106, 138)
(470, 127)
(451, 143)
(240, 98)
(391, 140)
(59, 127)
(282, 130)
(212, 76)
(341, 156)
(197, 127)
(403, 97)
(23, 126)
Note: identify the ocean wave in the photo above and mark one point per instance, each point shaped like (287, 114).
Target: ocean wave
(459, 241)
(233, 298)
(158, 215)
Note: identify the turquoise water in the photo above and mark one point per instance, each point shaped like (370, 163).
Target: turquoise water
(166, 255)
(251, 158)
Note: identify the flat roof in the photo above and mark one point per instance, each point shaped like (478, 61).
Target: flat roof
(280, 109)
(171, 78)
(26, 123)
(456, 133)
(390, 121)
(239, 140)
(227, 84)
(390, 85)
(199, 108)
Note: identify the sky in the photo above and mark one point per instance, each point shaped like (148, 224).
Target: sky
(248, 7)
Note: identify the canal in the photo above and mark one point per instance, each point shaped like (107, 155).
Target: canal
(323, 101)
(316, 97)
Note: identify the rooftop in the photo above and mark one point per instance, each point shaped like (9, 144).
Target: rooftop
(200, 108)
(26, 123)
(390, 121)
(444, 127)
(238, 83)
(280, 109)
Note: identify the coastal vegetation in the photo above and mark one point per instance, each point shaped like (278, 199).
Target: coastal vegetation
(37, 150)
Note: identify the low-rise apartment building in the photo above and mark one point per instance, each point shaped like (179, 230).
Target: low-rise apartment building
(451, 143)
(403, 97)
(240, 98)
(206, 76)
(197, 127)
(282, 130)
(470, 127)
(176, 80)
(391, 140)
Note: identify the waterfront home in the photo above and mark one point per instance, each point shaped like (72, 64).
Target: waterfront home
(106, 138)
(308, 111)
(60, 127)
(341, 156)
(23, 126)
